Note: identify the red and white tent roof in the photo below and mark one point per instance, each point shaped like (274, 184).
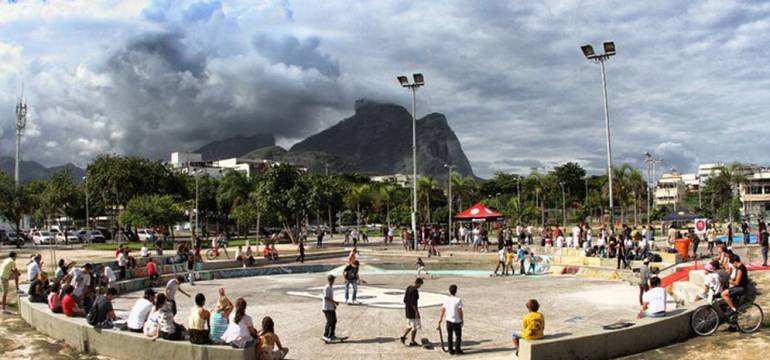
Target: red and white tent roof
(478, 211)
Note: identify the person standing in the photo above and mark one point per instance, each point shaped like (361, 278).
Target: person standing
(330, 310)
(522, 256)
(172, 286)
(729, 234)
(8, 271)
(351, 279)
(644, 279)
(411, 298)
(501, 255)
(191, 269)
(301, 256)
(453, 309)
(763, 241)
(745, 230)
(121, 260)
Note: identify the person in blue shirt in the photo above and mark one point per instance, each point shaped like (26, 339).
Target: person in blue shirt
(521, 255)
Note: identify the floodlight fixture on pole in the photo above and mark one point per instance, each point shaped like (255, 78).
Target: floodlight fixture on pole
(609, 50)
(21, 123)
(419, 80)
(450, 229)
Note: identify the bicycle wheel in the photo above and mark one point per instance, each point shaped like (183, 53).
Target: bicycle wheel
(704, 320)
(210, 254)
(750, 319)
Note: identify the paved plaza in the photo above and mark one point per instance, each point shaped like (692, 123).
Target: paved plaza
(493, 307)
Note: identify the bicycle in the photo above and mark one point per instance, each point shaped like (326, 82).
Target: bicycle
(220, 247)
(705, 320)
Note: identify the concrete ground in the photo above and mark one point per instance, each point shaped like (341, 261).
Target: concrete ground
(493, 306)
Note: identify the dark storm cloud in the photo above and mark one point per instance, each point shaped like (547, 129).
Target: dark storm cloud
(687, 83)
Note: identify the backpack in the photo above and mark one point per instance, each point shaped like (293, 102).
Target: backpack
(91, 316)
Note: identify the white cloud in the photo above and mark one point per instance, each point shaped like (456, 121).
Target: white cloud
(154, 76)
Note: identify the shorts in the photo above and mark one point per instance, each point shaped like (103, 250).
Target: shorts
(735, 291)
(516, 335)
(413, 324)
(5, 285)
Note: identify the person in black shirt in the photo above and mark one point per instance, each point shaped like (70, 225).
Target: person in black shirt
(411, 296)
(745, 230)
(737, 285)
(351, 279)
(104, 314)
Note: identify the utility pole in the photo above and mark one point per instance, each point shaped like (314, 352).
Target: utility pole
(21, 123)
(329, 207)
(563, 205)
(450, 229)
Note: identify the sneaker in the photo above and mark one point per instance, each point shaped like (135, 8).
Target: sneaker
(324, 338)
(459, 352)
(403, 340)
(451, 352)
(413, 344)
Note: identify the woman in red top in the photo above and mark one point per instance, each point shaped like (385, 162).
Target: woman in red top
(152, 270)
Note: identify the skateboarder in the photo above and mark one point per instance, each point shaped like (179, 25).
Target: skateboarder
(351, 279)
(453, 309)
(330, 310)
(411, 296)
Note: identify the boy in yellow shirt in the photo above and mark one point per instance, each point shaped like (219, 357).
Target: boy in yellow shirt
(508, 262)
(532, 325)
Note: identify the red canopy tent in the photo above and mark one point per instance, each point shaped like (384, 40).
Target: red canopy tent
(480, 212)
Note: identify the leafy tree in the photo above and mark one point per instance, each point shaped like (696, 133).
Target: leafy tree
(59, 195)
(357, 196)
(15, 201)
(283, 189)
(152, 211)
(573, 176)
(425, 186)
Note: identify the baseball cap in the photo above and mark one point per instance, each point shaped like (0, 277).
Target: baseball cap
(709, 268)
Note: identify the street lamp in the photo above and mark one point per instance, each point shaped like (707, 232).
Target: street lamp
(563, 205)
(450, 229)
(88, 218)
(21, 123)
(419, 80)
(497, 200)
(609, 50)
(650, 162)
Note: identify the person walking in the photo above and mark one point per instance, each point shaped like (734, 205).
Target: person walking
(8, 271)
(411, 298)
(763, 241)
(621, 253)
(330, 310)
(301, 256)
(453, 310)
(521, 254)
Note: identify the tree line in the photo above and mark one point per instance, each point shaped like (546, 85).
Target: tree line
(136, 192)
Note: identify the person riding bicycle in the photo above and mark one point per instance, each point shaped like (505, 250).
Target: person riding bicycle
(737, 285)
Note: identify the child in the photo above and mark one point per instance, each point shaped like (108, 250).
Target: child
(532, 262)
(501, 255)
(421, 268)
(509, 261)
(269, 341)
(532, 325)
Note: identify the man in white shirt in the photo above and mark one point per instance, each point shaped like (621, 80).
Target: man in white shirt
(654, 300)
(529, 234)
(141, 311)
(330, 310)
(712, 284)
(81, 279)
(453, 309)
(575, 237)
(501, 260)
(33, 268)
(171, 288)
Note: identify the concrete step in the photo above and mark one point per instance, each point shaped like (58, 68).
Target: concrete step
(685, 291)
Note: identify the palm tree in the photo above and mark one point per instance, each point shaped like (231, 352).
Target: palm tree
(734, 175)
(463, 189)
(621, 180)
(636, 186)
(382, 196)
(357, 195)
(425, 186)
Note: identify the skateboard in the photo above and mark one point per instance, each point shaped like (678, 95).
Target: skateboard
(441, 338)
(337, 340)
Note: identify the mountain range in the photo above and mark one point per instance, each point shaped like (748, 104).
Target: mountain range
(32, 170)
(376, 140)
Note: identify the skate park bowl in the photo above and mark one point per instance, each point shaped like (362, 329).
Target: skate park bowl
(576, 309)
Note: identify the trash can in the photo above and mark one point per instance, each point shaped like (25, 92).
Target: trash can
(683, 248)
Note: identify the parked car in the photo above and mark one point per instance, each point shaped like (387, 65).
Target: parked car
(145, 234)
(10, 237)
(42, 238)
(91, 236)
(71, 238)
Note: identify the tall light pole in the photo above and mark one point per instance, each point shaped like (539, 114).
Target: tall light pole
(419, 80)
(450, 229)
(650, 162)
(563, 205)
(329, 207)
(88, 218)
(518, 189)
(609, 50)
(21, 123)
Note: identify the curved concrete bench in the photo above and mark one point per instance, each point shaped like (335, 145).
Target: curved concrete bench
(76, 333)
(645, 334)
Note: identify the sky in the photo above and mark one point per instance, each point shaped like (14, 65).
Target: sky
(690, 82)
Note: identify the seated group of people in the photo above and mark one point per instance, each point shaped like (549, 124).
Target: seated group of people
(225, 324)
